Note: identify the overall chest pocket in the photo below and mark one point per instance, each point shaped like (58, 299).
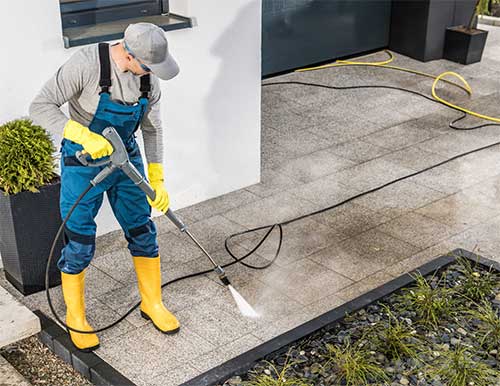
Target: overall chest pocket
(111, 111)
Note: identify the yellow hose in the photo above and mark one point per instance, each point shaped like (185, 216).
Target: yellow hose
(473, 113)
(385, 64)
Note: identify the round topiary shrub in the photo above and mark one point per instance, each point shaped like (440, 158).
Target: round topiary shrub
(26, 157)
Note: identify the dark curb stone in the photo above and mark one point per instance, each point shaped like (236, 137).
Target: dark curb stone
(89, 365)
(102, 374)
(245, 361)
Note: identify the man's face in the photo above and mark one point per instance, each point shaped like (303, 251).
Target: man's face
(135, 66)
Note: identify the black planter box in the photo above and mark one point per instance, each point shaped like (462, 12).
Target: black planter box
(463, 46)
(418, 27)
(29, 223)
(242, 363)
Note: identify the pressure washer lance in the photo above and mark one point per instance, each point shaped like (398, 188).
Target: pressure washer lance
(119, 160)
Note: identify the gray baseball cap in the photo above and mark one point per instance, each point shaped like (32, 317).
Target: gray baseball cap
(148, 43)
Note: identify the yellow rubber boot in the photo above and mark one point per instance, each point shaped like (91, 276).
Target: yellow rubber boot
(152, 308)
(73, 287)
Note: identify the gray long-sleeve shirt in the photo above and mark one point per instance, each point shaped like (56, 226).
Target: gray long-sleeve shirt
(77, 82)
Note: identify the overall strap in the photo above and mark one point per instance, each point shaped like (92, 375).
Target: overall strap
(145, 86)
(105, 80)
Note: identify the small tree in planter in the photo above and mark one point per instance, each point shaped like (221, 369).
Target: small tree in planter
(465, 44)
(29, 204)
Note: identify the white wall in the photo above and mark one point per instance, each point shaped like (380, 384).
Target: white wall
(211, 111)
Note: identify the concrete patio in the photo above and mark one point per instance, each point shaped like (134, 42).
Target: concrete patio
(319, 147)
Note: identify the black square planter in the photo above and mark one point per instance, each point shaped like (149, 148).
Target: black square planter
(418, 27)
(463, 46)
(29, 223)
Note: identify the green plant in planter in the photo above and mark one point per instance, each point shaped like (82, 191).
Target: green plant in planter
(482, 8)
(26, 157)
(353, 365)
(476, 284)
(433, 305)
(276, 378)
(459, 368)
(489, 325)
(396, 339)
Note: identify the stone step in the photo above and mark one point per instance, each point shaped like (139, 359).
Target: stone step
(16, 321)
(9, 375)
(489, 20)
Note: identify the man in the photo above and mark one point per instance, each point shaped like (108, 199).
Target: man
(110, 86)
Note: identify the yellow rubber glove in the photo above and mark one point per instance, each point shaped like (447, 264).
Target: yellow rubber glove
(94, 144)
(155, 177)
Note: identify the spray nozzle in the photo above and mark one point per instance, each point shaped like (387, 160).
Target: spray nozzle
(222, 275)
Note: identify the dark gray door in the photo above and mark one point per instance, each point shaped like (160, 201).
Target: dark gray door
(297, 33)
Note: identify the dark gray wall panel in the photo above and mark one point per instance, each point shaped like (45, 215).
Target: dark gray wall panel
(297, 33)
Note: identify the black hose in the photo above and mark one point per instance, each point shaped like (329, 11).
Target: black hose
(280, 225)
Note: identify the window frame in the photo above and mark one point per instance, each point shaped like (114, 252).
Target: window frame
(80, 13)
(99, 29)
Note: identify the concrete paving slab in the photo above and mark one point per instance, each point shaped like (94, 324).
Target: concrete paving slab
(213, 231)
(287, 280)
(182, 373)
(16, 321)
(452, 144)
(272, 154)
(270, 210)
(459, 211)
(385, 117)
(363, 286)
(313, 166)
(414, 158)
(110, 242)
(216, 324)
(418, 230)
(444, 180)
(340, 129)
(351, 219)
(400, 136)
(379, 246)
(371, 174)
(395, 200)
(290, 321)
(421, 258)
(9, 375)
(176, 248)
(217, 205)
(224, 353)
(358, 151)
(302, 239)
(98, 282)
(482, 239)
(354, 265)
(323, 305)
(299, 143)
(271, 183)
(117, 264)
(325, 192)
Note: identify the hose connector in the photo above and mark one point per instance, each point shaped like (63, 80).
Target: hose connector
(222, 275)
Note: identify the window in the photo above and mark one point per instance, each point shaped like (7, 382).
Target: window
(88, 12)
(92, 21)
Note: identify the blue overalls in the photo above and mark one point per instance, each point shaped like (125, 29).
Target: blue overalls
(128, 202)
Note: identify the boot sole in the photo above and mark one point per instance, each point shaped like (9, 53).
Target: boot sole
(169, 332)
(85, 350)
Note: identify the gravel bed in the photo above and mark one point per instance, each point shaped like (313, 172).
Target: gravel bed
(428, 352)
(40, 366)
